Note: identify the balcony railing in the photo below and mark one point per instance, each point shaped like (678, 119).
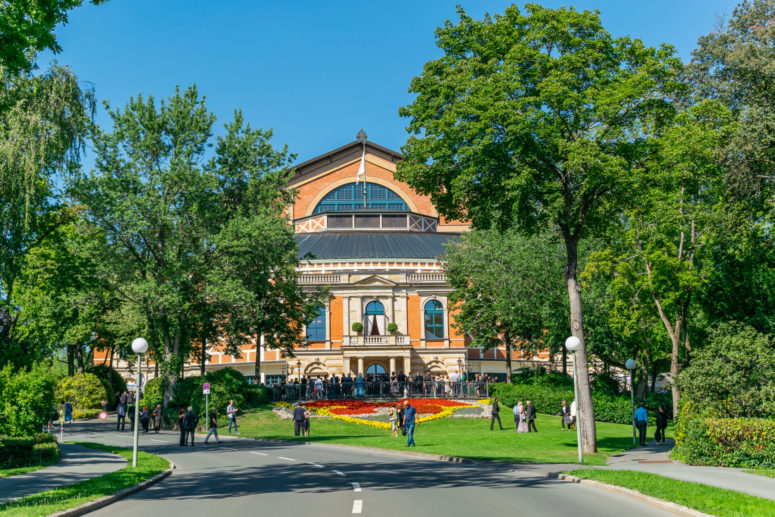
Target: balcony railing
(319, 279)
(396, 340)
(426, 277)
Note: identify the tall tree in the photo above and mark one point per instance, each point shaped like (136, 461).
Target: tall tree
(536, 118)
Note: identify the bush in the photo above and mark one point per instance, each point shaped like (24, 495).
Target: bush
(79, 414)
(225, 384)
(357, 326)
(113, 379)
(153, 392)
(256, 395)
(28, 451)
(726, 442)
(82, 390)
(26, 400)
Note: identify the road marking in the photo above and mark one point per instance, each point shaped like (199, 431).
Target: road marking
(357, 506)
(122, 436)
(315, 465)
(161, 441)
(227, 449)
(284, 458)
(339, 473)
(256, 452)
(356, 486)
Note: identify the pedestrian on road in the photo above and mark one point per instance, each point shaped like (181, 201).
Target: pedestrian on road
(190, 420)
(231, 412)
(410, 421)
(496, 409)
(659, 434)
(68, 411)
(298, 419)
(213, 424)
(182, 425)
(157, 418)
(307, 414)
(530, 413)
(145, 418)
(565, 415)
(641, 421)
(120, 416)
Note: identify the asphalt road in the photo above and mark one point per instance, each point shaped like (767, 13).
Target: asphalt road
(248, 477)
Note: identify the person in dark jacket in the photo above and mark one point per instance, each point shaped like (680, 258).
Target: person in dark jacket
(659, 434)
(213, 425)
(189, 421)
(495, 414)
(120, 416)
(145, 418)
(530, 414)
(298, 419)
(157, 414)
(182, 426)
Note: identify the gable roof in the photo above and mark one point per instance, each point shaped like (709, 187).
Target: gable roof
(363, 245)
(339, 156)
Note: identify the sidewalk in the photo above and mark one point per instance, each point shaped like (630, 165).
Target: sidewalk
(656, 459)
(77, 464)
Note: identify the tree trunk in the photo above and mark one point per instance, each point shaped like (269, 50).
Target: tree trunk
(203, 358)
(675, 369)
(70, 360)
(564, 361)
(257, 370)
(586, 407)
(654, 375)
(507, 341)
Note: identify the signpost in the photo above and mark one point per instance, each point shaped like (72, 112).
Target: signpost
(206, 391)
(103, 415)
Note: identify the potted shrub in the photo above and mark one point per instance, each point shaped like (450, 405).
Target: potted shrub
(392, 327)
(357, 327)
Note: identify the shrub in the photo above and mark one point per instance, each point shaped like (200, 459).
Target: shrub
(357, 326)
(392, 326)
(26, 400)
(85, 413)
(153, 392)
(256, 395)
(225, 384)
(726, 442)
(83, 390)
(112, 378)
(28, 451)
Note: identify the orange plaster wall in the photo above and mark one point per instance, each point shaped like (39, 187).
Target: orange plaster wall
(413, 311)
(336, 308)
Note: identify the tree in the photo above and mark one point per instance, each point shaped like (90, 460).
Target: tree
(536, 119)
(27, 27)
(505, 288)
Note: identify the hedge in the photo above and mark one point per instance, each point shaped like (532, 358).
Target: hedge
(26, 400)
(548, 399)
(82, 390)
(725, 442)
(112, 379)
(28, 451)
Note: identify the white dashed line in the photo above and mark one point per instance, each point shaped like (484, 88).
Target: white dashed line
(315, 465)
(357, 506)
(160, 441)
(256, 452)
(338, 473)
(284, 458)
(356, 486)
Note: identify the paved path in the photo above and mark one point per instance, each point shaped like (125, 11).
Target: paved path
(248, 477)
(656, 459)
(77, 464)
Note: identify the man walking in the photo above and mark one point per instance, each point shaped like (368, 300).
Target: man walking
(530, 413)
(213, 423)
(298, 419)
(641, 421)
(410, 421)
(120, 416)
(189, 421)
(495, 414)
(231, 412)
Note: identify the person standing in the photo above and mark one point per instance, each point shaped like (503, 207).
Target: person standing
(68, 411)
(565, 416)
(189, 421)
(530, 414)
(298, 419)
(182, 425)
(212, 422)
(393, 421)
(307, 415)
(495, 414)
(359, 391)
(659, 434)
(410, 421)
(157, 413)
(522, 426)
(145, 418)
(120, 416)
(641, 421)
(231, 412)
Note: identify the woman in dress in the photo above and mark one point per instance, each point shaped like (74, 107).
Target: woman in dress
(394, 385)
(522, 426)
(394, 421)
(359, 386)
(307, 414)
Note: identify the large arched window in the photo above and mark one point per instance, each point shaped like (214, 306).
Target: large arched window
(375, 318)
(434, 320)
(350, 197)
(316, 330)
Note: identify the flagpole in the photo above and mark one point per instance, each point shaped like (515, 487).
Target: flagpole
(361, 137)
(364, 174)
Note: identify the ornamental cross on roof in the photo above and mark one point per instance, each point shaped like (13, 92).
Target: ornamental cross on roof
(361, 136)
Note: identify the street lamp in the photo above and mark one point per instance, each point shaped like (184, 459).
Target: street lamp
(572, 344)
(460, 374)
(630, 364)
(298, 377)
(139, 346)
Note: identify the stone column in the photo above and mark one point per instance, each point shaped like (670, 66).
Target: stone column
(346, 366)
(392, 365)
(360, 365)
(407, 365)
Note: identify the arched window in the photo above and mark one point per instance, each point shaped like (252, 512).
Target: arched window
(350, 197)
(376, 369)
(434, 320)
(374, 318)
(316, 329)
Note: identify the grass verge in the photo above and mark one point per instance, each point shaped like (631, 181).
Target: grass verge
(762, 472)
(70, 496)
(463, 437)
(6, 473)
(704, 498)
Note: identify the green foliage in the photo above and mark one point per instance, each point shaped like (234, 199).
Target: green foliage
(153, 392)
(733, 375)
(27, 451)
(357, 326)
(83, 391)
(726, 442)
(26, 400)
(392, 326)
(112, 377)
(225, 384)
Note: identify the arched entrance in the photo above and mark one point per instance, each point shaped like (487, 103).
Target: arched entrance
(377, 370)
(374, 319)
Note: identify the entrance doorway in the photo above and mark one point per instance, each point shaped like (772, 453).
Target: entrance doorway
(375, 319)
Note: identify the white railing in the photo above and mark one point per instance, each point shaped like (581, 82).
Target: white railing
(319, 279)
(377, 340)
(426, 277)
(400, 340)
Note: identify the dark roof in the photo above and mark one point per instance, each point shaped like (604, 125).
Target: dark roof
(339, 156)
(380, 244)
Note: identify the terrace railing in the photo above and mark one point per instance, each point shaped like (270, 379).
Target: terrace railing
(380, 390)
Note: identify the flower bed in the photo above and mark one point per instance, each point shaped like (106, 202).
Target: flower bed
(367, 413)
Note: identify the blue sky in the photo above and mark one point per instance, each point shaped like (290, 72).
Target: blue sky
(314, 71)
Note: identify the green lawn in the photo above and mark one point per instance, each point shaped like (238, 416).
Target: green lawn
(5, 473)
(762, 472)
(76, 494)
(465, 437)
(704, 498)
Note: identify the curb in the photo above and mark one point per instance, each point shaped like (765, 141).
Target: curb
(674, 508)
(112, 498)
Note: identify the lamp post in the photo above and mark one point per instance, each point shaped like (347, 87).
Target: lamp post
(460, 375)
(298, 377)
(630, 364)
(572, 344)
(139, 346)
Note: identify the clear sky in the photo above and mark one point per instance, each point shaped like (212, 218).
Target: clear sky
(314, 71)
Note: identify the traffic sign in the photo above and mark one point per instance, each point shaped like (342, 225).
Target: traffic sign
(103, 415)
(206, 388)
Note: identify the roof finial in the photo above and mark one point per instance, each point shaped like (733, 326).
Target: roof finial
(361, 137)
